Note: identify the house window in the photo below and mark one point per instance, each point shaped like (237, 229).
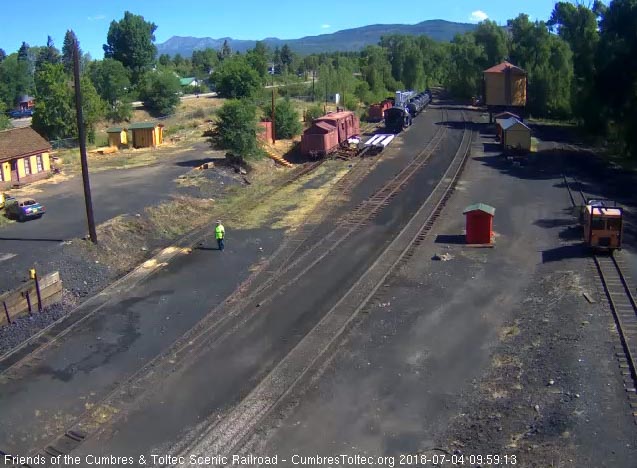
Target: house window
(27, 166)
(38, 160)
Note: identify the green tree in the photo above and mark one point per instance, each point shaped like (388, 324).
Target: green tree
(287, 122)
(577, 25)
(48, 54)
(493, 40)
(160, 92)
(15, 80)
(93, 108)
(23, 52)
(131, 41)
(466, 59)
(111, 82)
(3, 55)
(226, 51)
(313, 112)
(616, 81)
(164, 60)
(67, 50)
(204, 62)
(54, 114)
(258, 59)
(286, 57)
(4, 120)
(237, 129)
(235, 78)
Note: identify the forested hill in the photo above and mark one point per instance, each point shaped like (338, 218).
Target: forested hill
(345, 40)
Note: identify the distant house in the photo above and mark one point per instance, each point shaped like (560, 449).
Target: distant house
(190, 81)
(26, 102)
(147, 134)
(24, 156)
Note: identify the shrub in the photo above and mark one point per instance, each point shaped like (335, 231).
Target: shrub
(286, 119)
(313, 112)
(237, 129)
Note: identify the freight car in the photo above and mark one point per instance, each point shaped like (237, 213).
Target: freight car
(376, 111)
(329, 133)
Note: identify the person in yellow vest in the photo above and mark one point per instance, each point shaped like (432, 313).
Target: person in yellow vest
(220, 234)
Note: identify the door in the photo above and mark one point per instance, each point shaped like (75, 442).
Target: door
(14, 170)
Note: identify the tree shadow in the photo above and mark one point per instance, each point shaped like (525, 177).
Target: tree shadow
(197, 162)
(451, 239)
(565, 252)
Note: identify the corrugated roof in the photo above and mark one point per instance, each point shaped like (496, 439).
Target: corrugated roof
(143, 125)
(187, 81)
(336, 115)
(480, 207)
(24, 141)
(324, 126)
(115, 130)
(512, 122)
(502, 67)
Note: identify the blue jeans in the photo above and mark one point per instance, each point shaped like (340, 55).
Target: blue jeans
(220, 244)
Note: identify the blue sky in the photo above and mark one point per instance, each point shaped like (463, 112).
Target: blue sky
(33, 20)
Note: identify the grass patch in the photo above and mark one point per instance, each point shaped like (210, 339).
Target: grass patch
(179, 216)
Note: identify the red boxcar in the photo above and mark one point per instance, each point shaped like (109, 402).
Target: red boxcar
(320, 139)
(327, 133)
(376, 111)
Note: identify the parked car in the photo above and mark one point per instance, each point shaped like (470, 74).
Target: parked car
(23, 209)
(19, 114)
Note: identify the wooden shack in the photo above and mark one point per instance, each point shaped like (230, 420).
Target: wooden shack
(505, 89)
(147, 134)
(516, 136)
(117, 137)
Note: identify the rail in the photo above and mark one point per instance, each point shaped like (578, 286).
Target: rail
(620, 298)
(236, 310)
(233, 433)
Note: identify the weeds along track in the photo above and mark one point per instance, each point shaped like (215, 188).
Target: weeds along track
(239, 307)
(238, 432)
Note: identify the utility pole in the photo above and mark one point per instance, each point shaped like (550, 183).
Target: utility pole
(273, 116)
(313, 75)
(82, 137)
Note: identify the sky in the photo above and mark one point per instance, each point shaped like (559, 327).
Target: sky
(33, 20)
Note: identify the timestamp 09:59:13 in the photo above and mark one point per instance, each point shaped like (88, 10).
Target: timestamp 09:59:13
(456, 460)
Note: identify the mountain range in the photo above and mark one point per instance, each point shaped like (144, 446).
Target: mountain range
(346, 40)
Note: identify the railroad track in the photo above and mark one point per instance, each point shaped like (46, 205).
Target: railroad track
(623, 306)
(239, 307)
(281, 388)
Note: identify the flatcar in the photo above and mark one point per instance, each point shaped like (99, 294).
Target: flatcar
(603, 221)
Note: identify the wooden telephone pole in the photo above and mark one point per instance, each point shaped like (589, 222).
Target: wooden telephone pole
(82, 137)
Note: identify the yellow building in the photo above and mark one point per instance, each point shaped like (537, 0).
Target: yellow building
(147, 134)
(516, 136)
(24, 156)
(117, 137)
(505, 88)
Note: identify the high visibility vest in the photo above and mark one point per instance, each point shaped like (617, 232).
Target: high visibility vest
(220, 232)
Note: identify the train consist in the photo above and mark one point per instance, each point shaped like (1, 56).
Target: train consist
(329, 133)
(407, 105)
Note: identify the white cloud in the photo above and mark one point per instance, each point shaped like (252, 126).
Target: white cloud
(478, 16)
(96, 17)
(326, 26)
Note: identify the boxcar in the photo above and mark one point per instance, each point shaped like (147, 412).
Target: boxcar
(319, 140)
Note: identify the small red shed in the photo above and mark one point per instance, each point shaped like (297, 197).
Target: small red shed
(479, 223)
